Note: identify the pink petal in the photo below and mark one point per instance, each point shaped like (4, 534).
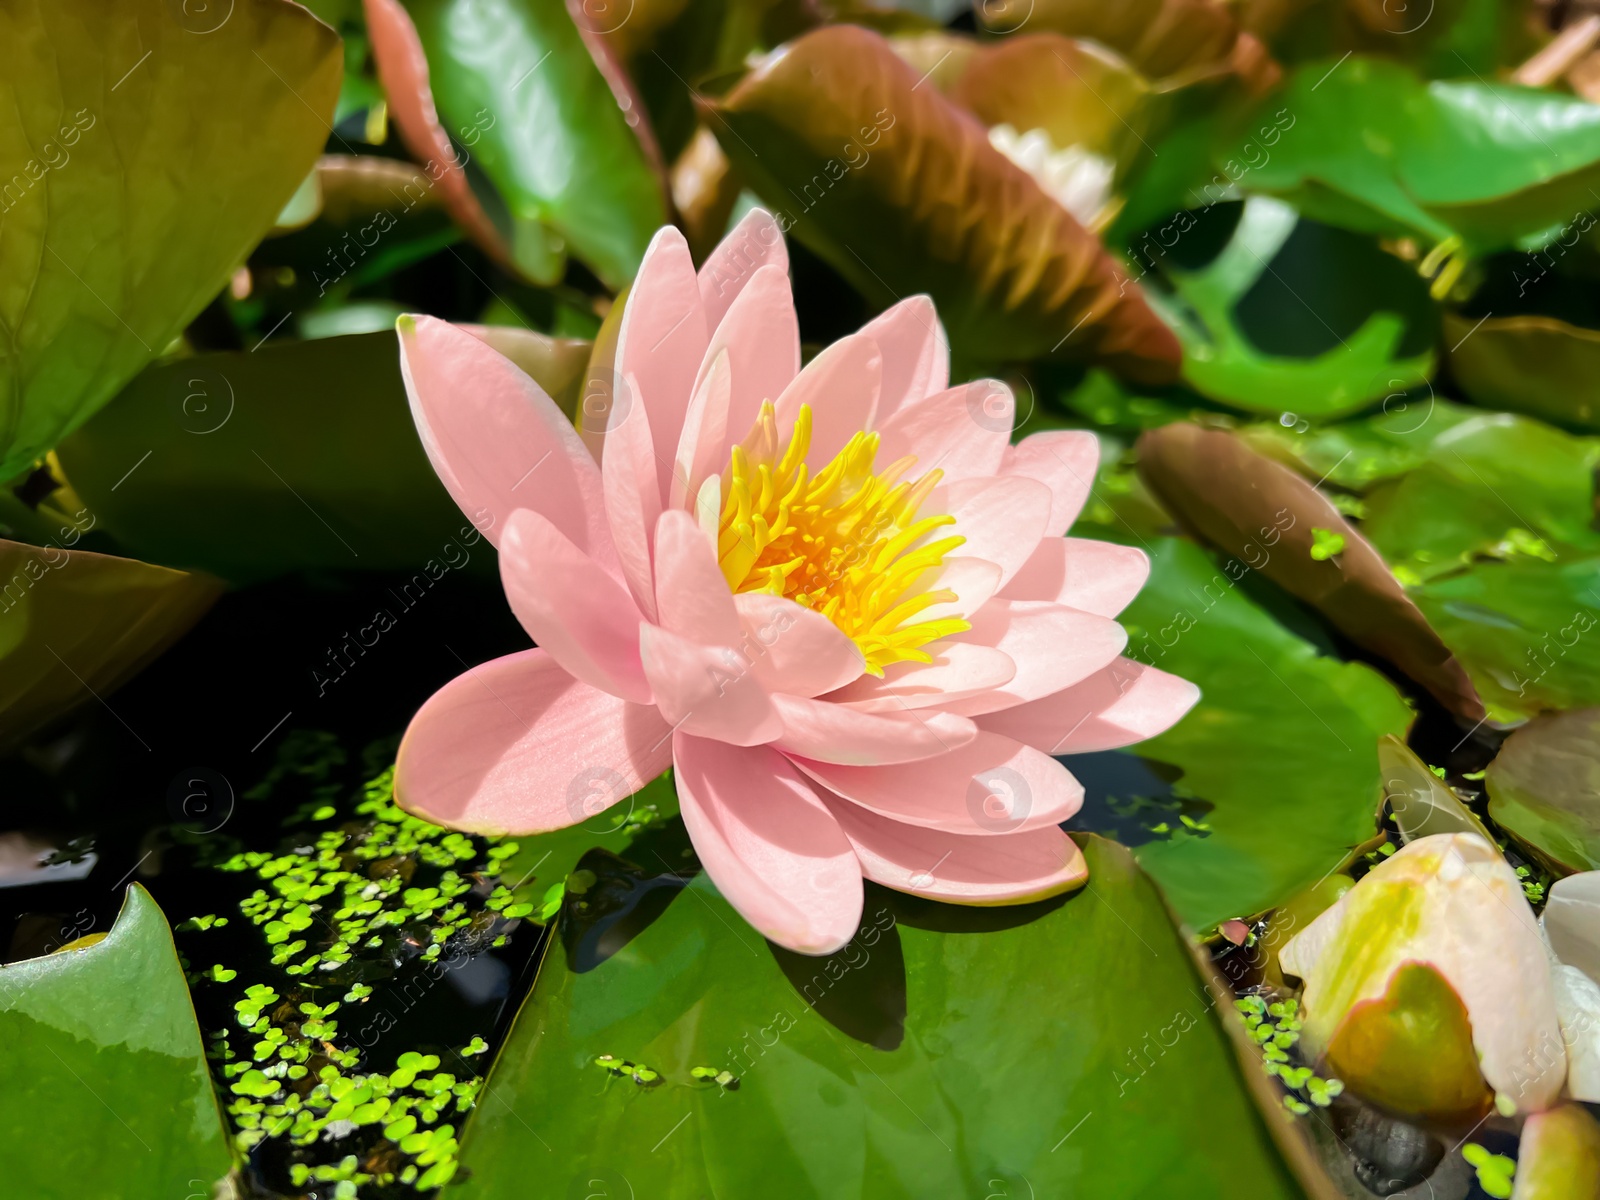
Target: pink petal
(963, 431)
(753, 243)
(1097, 577)
(1125, 703)
(1002, 519)
(633, 496)
(959, 669)
(990, 785)
(708, 691)
(828, 732)
(1053, 647)
(518, 746)
(793, 649)
(841, 385)
(762, 339)
(771, 847)
(916, 353)
(1065, 461)
(1009, 868)
(691, 593)
(572, 607)
(496, 440)
(661, 342)
(403, 70)
(703, 448)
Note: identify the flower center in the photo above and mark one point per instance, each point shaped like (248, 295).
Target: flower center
(845, 542)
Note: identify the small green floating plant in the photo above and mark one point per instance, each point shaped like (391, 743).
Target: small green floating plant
(1274, 1026)
(371, 890)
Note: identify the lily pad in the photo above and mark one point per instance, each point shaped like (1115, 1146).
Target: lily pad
(699, 1061)
(1283, 743)
(296, 456)
(901, 192)
(555, 159)
(1529, 364)
(105, 1097)
(1544, 788)
(76, 625)
(1225, 362)
(110, 133)
(1375, 148)
(1421, 803)
(1161, 37)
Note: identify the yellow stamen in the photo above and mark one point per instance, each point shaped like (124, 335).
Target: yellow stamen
(845, 542)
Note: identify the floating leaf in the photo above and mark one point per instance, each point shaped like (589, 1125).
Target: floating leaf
(296, 456)
(1421, 803)
(1536, 365)
(112, 132)
(1283, 743)
(1160, 37)
(1544, 788)
(510, 88)
(75, 625)
(902, 193)
(1222, 361)
(103, 1096)
(910, 1064)
(1271, 520)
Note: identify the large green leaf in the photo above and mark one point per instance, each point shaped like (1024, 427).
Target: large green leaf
(902, 193)
(1372, 146)
(106, 1091)
(1227, 362)
(296, 456)
(140, 159)
(1059, 1049)
(1283, 744)
(517, 89)
(75, 625)
(1493, 535)
(1528, 631)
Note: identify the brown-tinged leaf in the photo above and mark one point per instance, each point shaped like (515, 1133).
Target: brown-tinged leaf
(939, 57)
(1421, 802)
(1544, 789)
(353, 187)
(1272, 520)
(1529, 364)
(704, 189)
(1077, 92)
(902, 193)
(1160, 37)
(74, 626)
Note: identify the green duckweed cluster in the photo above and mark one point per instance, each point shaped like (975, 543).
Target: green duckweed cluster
(359, 892)
(1496, 1173)
(1274, 1026)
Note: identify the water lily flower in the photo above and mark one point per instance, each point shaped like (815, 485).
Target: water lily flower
(1428, 988)
(835, 599)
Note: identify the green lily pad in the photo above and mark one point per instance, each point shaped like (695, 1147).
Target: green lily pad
(1500, 485)
(1536, 365)
(1544, 788)
(1224, 362)
(103, 1096)
(75, 625)
(1064, 1048)
(901, 192)
(536, 121)
(1283, 742)
(1376, 148)
(1363, 451)
(296, 456)
(1526, 631)
(110, 133)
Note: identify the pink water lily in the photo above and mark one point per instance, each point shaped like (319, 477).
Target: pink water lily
(834, 598)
